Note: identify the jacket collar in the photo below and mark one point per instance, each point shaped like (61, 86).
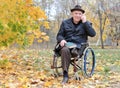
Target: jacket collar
(71, 24)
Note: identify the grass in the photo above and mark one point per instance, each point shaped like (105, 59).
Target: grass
(109, 55)
(33, 63)
(108, 59)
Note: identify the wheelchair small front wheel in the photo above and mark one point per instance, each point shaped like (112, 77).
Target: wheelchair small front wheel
(89, 62)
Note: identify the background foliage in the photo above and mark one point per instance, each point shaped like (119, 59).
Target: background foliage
(20, 22)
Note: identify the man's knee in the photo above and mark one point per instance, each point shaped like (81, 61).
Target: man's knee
(65, 49)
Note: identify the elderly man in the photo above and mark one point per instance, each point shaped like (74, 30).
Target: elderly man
(76, 30)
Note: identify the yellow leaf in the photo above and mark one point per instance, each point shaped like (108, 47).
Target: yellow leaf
(46, 24)
(48, 84)
(100, 86)
(42, 77)
(117, 62)
(39, 41)
(29, 1)
(85, 81)
(46, 38)
(9, 65)
(23, 79)
(97, 77)
(99, 68)
(4, 56)
(24, 86)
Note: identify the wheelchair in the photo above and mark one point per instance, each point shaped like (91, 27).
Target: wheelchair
(83, 64)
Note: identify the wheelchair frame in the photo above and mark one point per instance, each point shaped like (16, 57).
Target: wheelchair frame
(79, 63)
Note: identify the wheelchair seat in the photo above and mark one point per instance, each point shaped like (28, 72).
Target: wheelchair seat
(74, 50)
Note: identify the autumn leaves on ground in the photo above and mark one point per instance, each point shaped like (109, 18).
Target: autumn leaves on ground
(32, 69)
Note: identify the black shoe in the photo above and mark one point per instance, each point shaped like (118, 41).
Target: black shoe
(65, 80)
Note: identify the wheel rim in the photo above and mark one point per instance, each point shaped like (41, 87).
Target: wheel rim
(89, 62)
(57, 66)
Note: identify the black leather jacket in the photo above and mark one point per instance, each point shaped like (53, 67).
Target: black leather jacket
(77, 35)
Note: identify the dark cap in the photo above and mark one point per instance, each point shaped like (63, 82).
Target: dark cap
(78, 8)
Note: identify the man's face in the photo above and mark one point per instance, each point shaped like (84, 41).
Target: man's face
(77, 15)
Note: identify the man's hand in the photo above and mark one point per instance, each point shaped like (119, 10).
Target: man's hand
(62, 43)
(83, 18)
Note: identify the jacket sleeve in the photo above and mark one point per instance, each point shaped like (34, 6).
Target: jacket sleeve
(89, 29)
(60, 34)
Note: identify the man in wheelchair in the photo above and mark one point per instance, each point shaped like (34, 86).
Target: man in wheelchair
(73, 32)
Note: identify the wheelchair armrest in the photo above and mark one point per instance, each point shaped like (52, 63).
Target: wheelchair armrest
(85, 44)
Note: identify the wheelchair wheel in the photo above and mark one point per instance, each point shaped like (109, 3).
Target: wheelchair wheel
(57, 66)
(89, 62)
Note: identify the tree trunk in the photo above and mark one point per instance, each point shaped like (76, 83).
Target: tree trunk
(98, 42)
(101, 31)
(102, 45)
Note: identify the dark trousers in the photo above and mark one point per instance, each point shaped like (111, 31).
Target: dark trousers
(65, 58)
(66, 55)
